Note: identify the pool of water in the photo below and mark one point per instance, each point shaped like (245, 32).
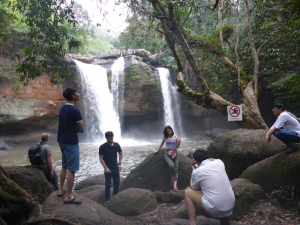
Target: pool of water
(134, 153)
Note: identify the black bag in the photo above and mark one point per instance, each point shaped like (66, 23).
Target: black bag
(34, 155)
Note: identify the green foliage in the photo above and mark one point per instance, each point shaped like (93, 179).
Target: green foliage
(97, 46)
(285, 193)
(48, 37)
(133, 72)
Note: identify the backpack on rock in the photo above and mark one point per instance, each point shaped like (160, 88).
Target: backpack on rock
(34, 155)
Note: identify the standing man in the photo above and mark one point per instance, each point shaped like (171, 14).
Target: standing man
(210, 189)
(291, 128)
(70, 122)
(46, 165)
(108, 158)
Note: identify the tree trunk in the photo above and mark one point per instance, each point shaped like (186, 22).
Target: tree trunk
(206, 98)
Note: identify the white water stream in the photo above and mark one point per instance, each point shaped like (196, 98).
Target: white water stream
(117, 85)
(172, 115)
(100, 113)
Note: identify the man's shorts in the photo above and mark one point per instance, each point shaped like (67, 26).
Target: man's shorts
(195, 196)
(70, 156)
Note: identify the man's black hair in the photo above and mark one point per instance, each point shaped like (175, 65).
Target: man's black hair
(279, 106)
(200, 155)
(68, 93)
(109, 134)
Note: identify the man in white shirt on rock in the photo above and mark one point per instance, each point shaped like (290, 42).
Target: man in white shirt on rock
(291, 128)
(210, 189)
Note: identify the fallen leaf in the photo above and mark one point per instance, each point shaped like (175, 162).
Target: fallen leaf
(298, 218)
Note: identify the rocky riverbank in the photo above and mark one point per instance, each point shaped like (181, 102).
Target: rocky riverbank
(145, 197)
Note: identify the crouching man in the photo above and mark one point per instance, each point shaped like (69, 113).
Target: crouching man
(210, 189)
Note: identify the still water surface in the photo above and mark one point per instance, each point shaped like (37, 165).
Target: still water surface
(134, 153)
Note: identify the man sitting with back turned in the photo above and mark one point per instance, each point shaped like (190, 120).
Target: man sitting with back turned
(210, 189)
(108, 158)
(46, 166)
(291, 128)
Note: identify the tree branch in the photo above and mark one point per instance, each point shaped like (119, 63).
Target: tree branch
(220, 22)
(191, 9)
(253, 49)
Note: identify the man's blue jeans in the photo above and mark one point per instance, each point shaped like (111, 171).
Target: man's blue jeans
(287, 137)
(115, 175)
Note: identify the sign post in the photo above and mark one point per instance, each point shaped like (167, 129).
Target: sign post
(235, 113)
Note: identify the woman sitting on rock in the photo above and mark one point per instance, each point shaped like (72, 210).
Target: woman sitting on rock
(171, 156)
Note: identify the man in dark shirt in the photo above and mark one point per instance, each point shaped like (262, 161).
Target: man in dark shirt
(70, 122)
(108, 158)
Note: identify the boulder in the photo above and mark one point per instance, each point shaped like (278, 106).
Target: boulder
(82, 58)
(3, 152)
(132, 201)
(171, 196)
(241, 148)
(4, 146)
(180, 211)
(95, 193)
(190, 154)
(246, 193)
(153, 173)
(279, 170)
(89, 212)
(112, 53)
(31, 179)
(143, 53)
(94, 180)
(218, 131)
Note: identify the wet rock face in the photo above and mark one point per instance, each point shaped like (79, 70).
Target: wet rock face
(241, 148)
(246, 193)
(276, 172)
(89, 212)
(132, 201)
(31, 179)
(4, 146)
(153, 174)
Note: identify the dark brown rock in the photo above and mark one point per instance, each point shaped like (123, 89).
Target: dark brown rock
(132, 201)
(246, 193)
(95, 193)
(279, 170)
(31, 179)
(88, 213)
(170, 196)
(153, 173)
(241, 148)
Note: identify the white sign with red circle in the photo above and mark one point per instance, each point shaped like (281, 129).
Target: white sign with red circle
(235, 113)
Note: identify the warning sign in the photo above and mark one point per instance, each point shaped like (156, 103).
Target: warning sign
(235, 113)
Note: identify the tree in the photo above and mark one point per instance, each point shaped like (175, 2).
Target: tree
(48, 38)
(173, 17)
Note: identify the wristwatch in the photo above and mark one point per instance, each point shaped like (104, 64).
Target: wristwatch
(119, 164)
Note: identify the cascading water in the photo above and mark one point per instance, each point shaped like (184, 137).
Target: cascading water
(171, 103)
(100, 115)
(117, 85)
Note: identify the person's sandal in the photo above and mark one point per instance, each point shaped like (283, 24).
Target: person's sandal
(58, 195)
(73, 201)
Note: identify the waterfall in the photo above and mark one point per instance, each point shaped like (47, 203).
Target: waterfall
(117, 85)
(171, 103)
(100, 114)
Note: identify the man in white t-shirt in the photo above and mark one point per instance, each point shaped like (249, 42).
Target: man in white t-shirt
(291, 128)
(210, 189)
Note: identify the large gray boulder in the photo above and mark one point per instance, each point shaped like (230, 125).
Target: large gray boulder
(112, 53)
(218, 131)
(246, 193)
(31, 179)
(153, 173)
(4, 146)
(94, 180)
(89, 212)
(132, 201)
(95, 193)
(279, 170)
(241, 148)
